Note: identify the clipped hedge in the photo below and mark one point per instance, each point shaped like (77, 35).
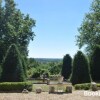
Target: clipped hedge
(85, 86)
(15, 86)
(98, 85)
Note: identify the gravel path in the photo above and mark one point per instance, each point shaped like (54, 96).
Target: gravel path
(76, 95)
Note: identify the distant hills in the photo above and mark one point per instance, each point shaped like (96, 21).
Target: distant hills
(43, 60)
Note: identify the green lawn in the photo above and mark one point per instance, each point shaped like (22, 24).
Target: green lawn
(45, 87)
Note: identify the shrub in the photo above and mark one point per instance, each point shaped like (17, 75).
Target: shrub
(38, 72)
(15, 86)
(12, 68)
(80, 71)
(55, 68)
(0, 71)
(85, 86)
(67, 66)
(98, 85)
(95, 64)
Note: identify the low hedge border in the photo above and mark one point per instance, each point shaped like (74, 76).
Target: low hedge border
(15, 86)
(84, 86)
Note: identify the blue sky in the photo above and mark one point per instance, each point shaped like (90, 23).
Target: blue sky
(56, 25)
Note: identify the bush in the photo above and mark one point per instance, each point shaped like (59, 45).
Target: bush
(80, 70)
(12, 68)
(85, 86)
(15, 86)
(55, 68)
(38, 72)
(67, 66)
(0, 71)
(98, 85)
(95, 64)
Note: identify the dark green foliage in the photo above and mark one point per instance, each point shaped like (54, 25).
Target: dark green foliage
(35, 68)
(90, 28)
(98, 85)
(95, 64)
(55, 68)
(0, 71)
(38, 72)
(12, 69)
(67, 66)
(15, 27)
(32, 63)
(80, 71)
(15, 86)
(24, 64)
(85, 86)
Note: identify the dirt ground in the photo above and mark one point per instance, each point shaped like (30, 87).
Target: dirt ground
(76, 95)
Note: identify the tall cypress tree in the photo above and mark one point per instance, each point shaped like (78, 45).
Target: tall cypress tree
(67, 66)
(80, 70)
(12, 69)
(95, 64)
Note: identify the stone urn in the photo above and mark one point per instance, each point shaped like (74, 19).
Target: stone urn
(60, 79)
(48, 81)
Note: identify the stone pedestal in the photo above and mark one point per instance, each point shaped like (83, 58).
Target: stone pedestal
(38, 90)
(69, 89)
(25, 91)
(51, 89)
(48, 81)
(94, 86)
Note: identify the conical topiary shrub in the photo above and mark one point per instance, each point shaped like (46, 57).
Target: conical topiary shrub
(80, 70)
(12, 69)
(67, 66)
(95, 64)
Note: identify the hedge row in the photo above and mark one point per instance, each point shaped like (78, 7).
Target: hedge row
(15, 86)
(98, 85)
(85, 86)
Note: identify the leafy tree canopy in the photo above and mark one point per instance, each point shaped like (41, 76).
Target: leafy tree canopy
(15, 27)
(90, 28)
